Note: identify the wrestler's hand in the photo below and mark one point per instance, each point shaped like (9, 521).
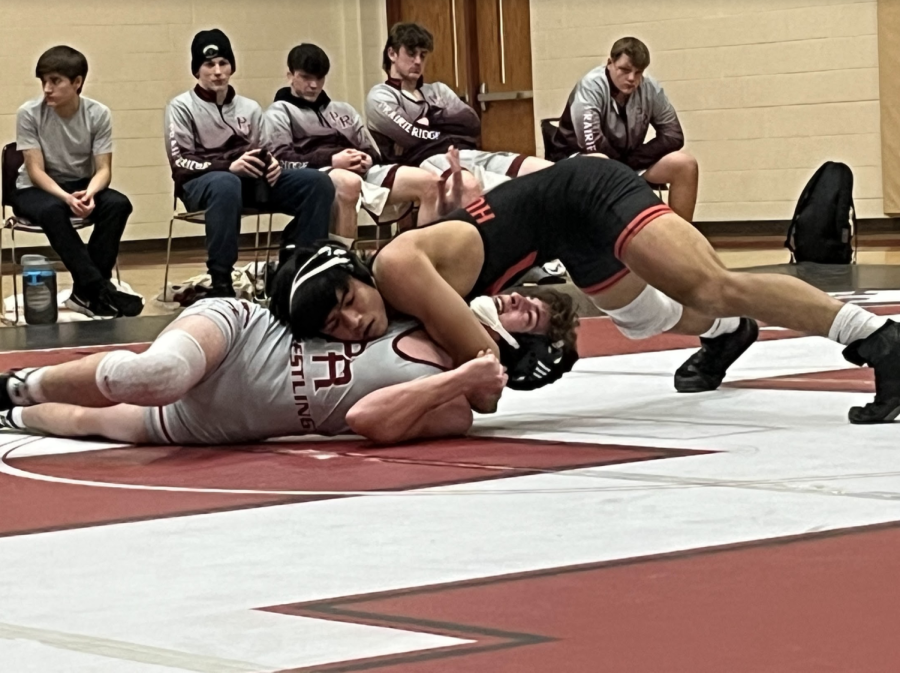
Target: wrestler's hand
(484, 379)
(450, 188)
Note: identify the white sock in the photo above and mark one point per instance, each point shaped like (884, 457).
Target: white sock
(722, 326)
(12, 419)
(24, 386)
(853, 323)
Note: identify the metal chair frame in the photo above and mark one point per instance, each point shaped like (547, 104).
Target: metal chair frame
(198, 217)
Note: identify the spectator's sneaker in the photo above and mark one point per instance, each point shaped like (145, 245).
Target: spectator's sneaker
(126, 304)
(881, 351)
(220, 290)
(92, 308)
(706, 368)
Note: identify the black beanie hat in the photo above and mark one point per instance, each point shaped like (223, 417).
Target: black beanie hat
(207, 45)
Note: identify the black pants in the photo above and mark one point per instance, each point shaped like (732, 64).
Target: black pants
(305, 193)
(91, 265)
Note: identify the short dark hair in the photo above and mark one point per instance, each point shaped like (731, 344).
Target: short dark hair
(563, 318)
(309, 58)
(307, 313)
(63, 60)
(409, 35)
(634, 49)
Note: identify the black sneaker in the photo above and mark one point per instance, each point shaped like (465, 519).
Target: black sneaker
(92, 308)
(881, 351)
(126, 304)
(220, 290)
(706, 368)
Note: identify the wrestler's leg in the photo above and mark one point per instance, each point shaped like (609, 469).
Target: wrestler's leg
(121, 423)
(672, 256)
(627, 291)
(78, 382)
(675, 258)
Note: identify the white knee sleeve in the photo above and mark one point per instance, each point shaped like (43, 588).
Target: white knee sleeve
(162, 374)
(650, 314)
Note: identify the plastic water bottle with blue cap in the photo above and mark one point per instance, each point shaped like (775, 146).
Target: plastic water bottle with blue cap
(39, 290)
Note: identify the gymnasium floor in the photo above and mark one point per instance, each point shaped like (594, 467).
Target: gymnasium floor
(604, 523)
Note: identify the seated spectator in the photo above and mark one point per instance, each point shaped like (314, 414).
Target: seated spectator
(218, 164)
(609, 112)
(415, 123)
(305, 128)
(66, 139)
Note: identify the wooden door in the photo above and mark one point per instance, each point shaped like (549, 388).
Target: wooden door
(470, 56)
(504, 68)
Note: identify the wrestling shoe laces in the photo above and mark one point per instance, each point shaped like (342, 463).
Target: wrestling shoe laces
(880, 351)
(706, 368)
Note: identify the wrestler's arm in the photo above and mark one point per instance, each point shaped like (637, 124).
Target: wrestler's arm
(434, 406)
(431, 407)
(407, 277)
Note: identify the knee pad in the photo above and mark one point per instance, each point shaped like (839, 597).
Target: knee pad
(161, 375)
(651, 313)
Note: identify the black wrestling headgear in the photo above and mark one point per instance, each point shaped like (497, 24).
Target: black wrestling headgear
(319, 272)
(536, 362)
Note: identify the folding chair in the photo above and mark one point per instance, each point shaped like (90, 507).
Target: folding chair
(199, 217)
(11, 159)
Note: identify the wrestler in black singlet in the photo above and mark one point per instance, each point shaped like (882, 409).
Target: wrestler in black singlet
(582, 211)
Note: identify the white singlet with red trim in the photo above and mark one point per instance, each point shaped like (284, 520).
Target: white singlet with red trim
(268, 385)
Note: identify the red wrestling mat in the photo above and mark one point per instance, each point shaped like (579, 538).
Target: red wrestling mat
(804, 605)
(273, 473)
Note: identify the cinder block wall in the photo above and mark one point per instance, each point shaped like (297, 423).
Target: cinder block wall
(766, 90)
(138, 54)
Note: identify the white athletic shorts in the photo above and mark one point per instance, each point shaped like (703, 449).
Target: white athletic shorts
(490, 168)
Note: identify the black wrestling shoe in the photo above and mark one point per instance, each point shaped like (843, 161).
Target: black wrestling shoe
(706, 368)
(5, 400)
(881, 351)
(6, 421)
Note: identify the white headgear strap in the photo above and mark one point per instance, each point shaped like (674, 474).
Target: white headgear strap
(485, 310)
(338, 258)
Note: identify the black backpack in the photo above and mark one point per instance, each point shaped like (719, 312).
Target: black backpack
(824, 223)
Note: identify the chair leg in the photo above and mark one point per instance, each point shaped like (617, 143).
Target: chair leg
(4, 319)
(168, 256)
(268, 257)
(256, 248)
(12, 236)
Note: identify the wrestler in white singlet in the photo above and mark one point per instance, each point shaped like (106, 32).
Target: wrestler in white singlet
(270, 386)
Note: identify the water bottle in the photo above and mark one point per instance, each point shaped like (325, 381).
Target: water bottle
(261, 193)
(39, 290)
